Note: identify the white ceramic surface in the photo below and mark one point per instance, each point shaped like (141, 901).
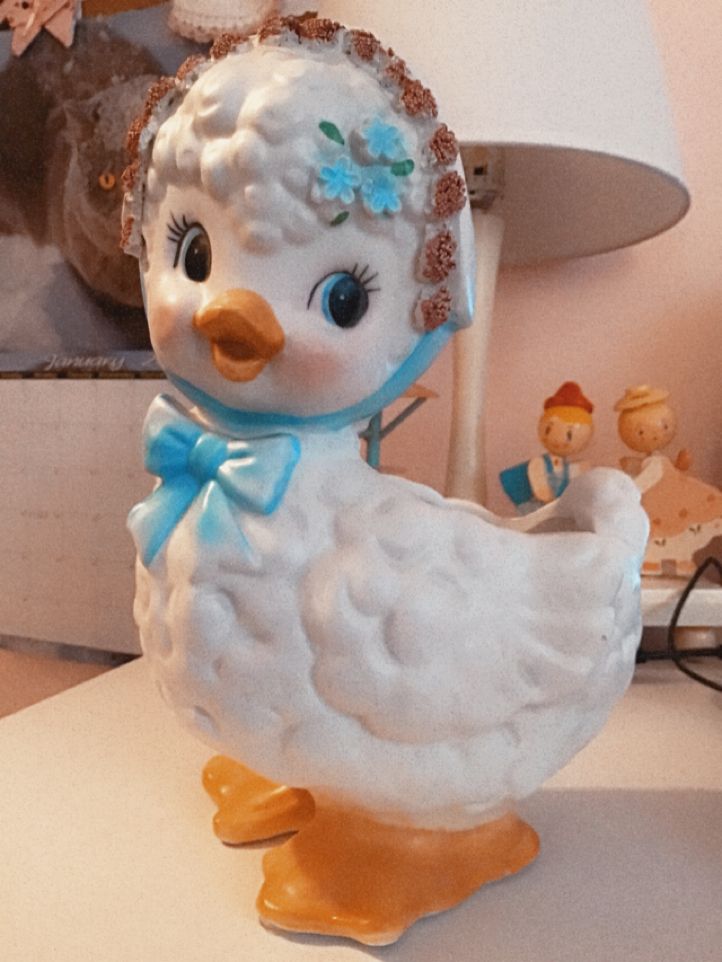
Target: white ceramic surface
(362, 623)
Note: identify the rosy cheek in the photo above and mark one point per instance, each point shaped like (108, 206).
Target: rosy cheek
(163, 320)
(313, 362)
(170, 312)
(317, 367)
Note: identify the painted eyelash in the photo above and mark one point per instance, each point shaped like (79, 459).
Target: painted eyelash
(363, 279)
(177, 231)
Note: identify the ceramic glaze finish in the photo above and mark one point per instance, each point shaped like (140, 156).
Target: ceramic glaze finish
(368, 629)
(246, 153)
(343, 366)
(416, 663)
(365, 624)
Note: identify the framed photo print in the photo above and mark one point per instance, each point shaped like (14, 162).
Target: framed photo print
(70, 299)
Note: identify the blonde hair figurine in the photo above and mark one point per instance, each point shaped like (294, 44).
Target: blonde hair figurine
(647, 424)
(685, 513)
(565, 428)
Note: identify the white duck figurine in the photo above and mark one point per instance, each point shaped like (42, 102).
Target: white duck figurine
(408, 664)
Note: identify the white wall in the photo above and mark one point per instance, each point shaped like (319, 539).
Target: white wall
(649, 314)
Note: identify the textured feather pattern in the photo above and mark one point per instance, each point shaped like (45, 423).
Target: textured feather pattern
(388, 648)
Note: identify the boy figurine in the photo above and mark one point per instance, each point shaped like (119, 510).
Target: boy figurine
(565, 428)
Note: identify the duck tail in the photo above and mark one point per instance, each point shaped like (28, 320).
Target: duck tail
(607, 502)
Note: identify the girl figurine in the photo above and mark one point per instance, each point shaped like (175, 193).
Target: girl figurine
(565, 428)
(685, 513)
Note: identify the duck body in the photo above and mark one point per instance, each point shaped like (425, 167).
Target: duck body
(385, 648)
(394, 669)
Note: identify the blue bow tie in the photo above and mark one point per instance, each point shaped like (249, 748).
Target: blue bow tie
(190, 462)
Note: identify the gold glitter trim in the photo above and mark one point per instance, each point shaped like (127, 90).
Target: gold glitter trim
(435, 310)
(130, 174)
(225, 44)
(317, 29)
(444, 145)
(189, 65)
(439, 257)
(126, 231)
(364, 44)
(396, 71)
(418, 100)
(155, 94)
(449, 194)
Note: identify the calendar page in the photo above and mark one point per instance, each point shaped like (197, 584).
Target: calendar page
(70, 470)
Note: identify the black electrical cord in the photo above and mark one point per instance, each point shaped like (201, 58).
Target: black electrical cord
(677, 656)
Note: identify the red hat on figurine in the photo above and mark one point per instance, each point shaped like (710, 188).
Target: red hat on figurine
(569, 395)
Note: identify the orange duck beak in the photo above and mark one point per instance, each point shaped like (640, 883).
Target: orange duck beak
(243, 331)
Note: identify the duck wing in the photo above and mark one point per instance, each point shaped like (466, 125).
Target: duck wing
(429, 624)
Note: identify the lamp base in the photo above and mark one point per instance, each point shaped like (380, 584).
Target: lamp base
(466, 466)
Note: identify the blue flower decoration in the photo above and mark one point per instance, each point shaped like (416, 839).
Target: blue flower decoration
(379, 190)
(384, 140)
(340, 181)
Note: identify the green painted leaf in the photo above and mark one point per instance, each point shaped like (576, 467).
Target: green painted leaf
(340, 218)
(402, 168)
(332, 132)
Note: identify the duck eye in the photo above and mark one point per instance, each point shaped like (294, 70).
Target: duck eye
(344, 300)
(194, 254)
(192, 249)
(344, 296)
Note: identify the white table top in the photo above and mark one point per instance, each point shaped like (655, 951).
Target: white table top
(660, 596)
(106, 851)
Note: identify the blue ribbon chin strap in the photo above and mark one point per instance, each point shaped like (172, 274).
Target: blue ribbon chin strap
(236, 419)
(192, 462)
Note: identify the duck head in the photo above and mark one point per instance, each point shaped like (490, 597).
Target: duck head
(303, 236)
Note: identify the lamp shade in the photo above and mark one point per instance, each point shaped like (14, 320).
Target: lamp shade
(572, 90)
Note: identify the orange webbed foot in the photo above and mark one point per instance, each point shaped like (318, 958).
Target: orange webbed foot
(252, 808)
(345, 874)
